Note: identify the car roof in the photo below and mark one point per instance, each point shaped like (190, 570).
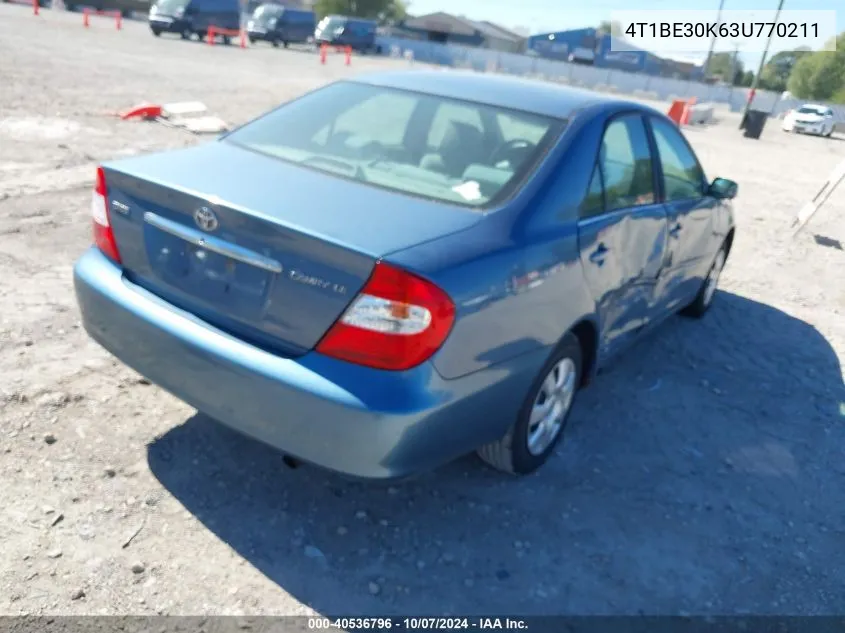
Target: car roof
(504, 91)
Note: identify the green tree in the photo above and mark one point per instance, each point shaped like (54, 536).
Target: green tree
(820, 76)
(613, 28)
(775, 75)
(722, 64)
(373, 9)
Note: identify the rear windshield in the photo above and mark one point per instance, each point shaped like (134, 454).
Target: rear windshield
(171, 5)
(331, 23)
(459, 152)
(809, 110)
(268, 11)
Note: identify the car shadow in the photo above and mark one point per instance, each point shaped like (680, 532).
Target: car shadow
(692, 470)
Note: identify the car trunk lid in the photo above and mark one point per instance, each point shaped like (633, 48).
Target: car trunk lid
(271, 252)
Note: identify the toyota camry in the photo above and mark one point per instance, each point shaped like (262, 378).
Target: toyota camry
(393, 271)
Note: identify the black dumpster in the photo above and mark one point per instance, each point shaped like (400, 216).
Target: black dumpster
(755, 121)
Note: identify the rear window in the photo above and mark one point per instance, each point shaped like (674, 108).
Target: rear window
(171, 5)
(268, 11)
(460, 152)
(811, 110)
(330, 23)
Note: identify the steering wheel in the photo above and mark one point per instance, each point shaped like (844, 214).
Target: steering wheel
(511, 149)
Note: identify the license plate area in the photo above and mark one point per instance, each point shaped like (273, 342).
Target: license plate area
(193, 264)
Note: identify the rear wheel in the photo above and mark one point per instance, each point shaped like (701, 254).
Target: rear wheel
(274, 42)
(542, 419)
(156, 32)
(705, 296)
(227, 40)
(285, 44)
(186, 34)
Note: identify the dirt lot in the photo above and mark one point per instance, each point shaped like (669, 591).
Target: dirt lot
(703, 473)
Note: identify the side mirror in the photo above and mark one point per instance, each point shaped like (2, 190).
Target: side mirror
(723, 189)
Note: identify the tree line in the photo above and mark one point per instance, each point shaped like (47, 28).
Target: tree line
(381, 10)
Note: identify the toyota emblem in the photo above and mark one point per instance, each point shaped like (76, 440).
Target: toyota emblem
(205, 219)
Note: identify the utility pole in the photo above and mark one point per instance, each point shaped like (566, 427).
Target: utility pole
(734, 63)
(713, 40)
(756, 80)
(734, 60)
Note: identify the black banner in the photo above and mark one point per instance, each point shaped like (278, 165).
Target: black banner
(534, 624)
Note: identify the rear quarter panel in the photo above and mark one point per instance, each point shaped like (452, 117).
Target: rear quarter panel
(515, 277)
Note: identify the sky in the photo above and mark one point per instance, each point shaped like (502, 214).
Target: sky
(542, 16)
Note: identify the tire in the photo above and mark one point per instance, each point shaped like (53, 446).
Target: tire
(156, 32)
(186, 35)
(286, 44)
(227, 40)
(514, 453)
(274, 42)
(704, 299)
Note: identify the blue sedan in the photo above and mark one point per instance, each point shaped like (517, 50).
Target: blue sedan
(393, 271)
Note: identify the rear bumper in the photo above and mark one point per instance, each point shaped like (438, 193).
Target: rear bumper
(260, 35)
(809, 128)
(169, 25)
(358, 421)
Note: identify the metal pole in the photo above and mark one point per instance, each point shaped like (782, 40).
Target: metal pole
(713, 40)
(756, 80)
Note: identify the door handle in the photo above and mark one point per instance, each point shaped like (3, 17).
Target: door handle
(597, 256)
(675, 230)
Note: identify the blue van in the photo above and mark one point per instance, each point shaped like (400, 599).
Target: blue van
(275, 23)
(193, 17)
(340, 30)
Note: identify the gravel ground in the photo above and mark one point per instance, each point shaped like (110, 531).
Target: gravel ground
(702, 473)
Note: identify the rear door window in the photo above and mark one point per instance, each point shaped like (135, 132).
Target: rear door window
(625, 164)
(683, 178)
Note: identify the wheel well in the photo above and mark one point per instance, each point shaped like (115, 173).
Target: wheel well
(587, 336)
(729, 240)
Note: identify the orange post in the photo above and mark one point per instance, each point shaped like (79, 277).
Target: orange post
(211, 36)
(323, 51)
(348, 55)
(35, 7)
(243, 38)
(118, 20)
(85, 18)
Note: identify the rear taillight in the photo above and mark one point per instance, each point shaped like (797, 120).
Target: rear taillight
(396, 322)
(103, 234)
